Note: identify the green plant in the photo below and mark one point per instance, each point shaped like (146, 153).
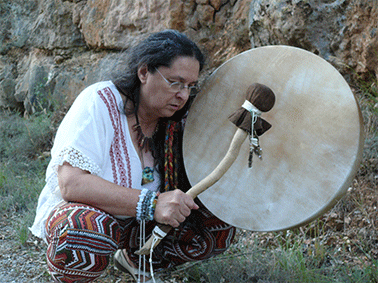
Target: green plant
(369, 88)
(3, 178)
(42, 99)
(23, 233)
(23, 141)
(24, 138)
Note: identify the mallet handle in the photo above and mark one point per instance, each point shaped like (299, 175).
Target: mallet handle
(222, 167)
(208, 181)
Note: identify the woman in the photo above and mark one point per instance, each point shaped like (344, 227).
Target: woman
(116, 163)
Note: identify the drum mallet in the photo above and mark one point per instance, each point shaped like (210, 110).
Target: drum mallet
(259, 98)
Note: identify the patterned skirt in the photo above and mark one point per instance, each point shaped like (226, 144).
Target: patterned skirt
(81, 239)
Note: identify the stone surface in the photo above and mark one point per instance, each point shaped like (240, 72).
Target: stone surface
(7, 84)
(54, 48)
(359, 45)
(54, 28)
(342, 32)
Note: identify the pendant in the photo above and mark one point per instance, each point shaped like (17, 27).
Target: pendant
(147, 175)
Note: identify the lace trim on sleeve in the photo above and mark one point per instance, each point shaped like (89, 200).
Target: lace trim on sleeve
(77, 159)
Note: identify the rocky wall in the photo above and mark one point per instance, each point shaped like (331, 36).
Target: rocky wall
(343, 32)
(51, 49)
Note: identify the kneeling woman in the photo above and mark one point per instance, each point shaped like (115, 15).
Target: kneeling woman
(116, 162)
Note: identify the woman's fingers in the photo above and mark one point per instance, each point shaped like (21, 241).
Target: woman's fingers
(173, 207)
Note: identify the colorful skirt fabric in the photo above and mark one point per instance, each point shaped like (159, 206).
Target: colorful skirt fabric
(81, 239)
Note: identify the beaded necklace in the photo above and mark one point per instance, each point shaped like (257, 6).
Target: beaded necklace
(143, 141)
(146, 144)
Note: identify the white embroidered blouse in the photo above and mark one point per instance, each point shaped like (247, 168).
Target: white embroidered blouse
(94, 137)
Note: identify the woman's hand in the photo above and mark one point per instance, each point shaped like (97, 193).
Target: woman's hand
(173, 207)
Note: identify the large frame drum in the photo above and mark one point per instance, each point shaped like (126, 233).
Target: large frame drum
(310, 155)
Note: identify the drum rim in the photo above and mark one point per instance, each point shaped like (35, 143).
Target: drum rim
(341, 191)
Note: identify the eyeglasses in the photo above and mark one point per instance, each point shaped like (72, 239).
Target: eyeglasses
(179, 86)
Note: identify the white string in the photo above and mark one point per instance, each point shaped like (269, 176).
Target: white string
(157, 235)
(253, 141)
(247, 105)
(254, 113)
(142, 258)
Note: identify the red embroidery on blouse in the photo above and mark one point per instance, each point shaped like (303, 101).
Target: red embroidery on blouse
(119, 154)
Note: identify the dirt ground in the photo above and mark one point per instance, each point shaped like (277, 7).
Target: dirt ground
(350, 228)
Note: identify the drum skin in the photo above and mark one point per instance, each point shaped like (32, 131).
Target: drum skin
(310, 155)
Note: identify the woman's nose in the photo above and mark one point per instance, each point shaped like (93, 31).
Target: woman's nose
(184, 92)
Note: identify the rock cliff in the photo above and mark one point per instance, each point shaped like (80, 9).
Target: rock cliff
(51, 49)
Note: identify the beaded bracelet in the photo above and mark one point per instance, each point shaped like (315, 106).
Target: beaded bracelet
(146, 205)
(152, 207)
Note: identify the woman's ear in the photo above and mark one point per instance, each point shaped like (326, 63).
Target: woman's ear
(142, 73)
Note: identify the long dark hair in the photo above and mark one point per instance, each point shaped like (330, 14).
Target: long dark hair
(161, 49)
(158, 49)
